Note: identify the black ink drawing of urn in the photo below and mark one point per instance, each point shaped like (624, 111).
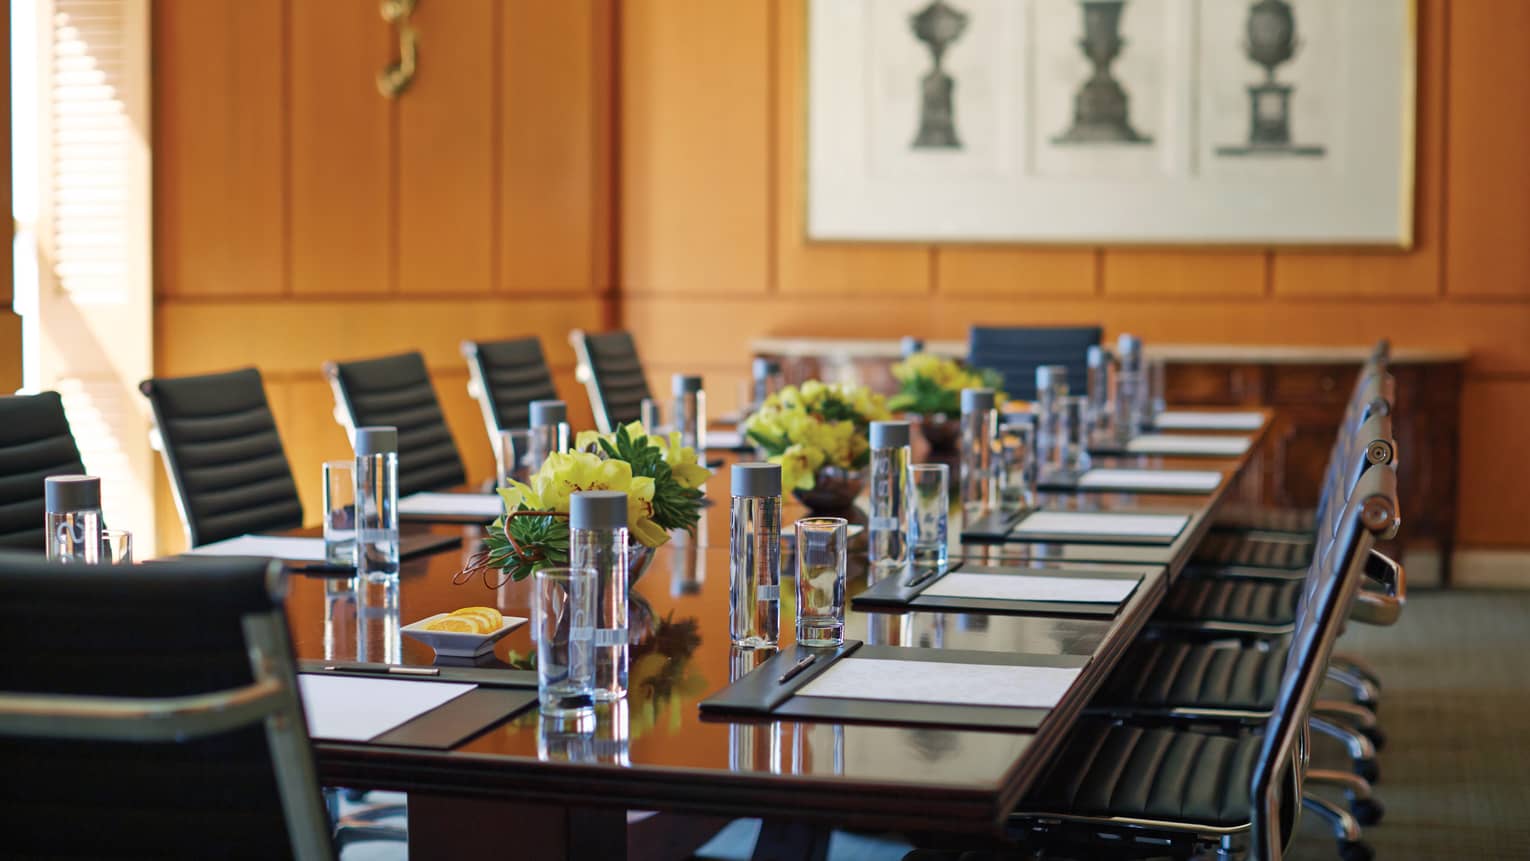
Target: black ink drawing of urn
(937, 26)
(1101, 107)
(1271, 41)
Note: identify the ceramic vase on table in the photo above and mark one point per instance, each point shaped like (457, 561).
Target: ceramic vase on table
(942, 432)
(834, 490)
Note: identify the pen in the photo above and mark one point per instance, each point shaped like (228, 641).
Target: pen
(388, 671)
(923, 576)
(796, 668)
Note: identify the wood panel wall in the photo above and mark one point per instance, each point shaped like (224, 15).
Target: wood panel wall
(711, 232)
(300, 216)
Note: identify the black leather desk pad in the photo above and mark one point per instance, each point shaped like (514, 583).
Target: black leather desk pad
(1000, 527)
(760, 693)
(411, 545)
(500, 695)
(905, 591)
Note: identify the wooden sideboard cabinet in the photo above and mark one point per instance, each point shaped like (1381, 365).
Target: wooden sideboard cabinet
(1308, 395)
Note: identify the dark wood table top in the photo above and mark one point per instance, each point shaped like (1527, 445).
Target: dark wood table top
(654, 750)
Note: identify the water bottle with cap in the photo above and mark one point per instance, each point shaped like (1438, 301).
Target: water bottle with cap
(597, 539)
(909, 345)
(754, 549)
(888, 532)
(766, 374)
(549, 432)
(1129, 387)
(1051, 388)
(377, 503)
(980, 467)
(690, 411)
(73, 518)
(1097, 393)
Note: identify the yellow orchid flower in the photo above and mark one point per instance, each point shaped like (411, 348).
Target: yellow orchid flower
(798, 463)
(683, 463)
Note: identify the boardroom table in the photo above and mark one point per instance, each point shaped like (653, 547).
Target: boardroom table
(523, 783)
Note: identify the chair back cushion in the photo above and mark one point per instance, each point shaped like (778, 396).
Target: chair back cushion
(224, 455)
(1017, 351)
(618, 377)
(35, 443)
(158, 630)
(396, 391)
(511, 374)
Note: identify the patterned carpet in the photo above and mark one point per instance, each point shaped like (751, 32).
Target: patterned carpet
(1456, 710)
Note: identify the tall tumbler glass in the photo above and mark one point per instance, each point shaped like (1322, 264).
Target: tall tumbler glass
(1129, 387)
(980, 466)
(73, 517)
(1051, 387)
(1018, 466)
(117, 546)
(1098, 393)
(929, 510)
(510, 460)
(597, 538)
(651, 416)
(340, 512)
(563, 620)
(689, 413)
(377, 503)
(1157, 394)
(890, 456)
(821, 558)
(1072, 435)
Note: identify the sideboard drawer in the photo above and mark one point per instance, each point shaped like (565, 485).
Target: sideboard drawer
(1311, 384)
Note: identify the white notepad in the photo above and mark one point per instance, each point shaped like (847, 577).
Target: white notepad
(273, 546)
(1102, 523)
(724, 439)
(452, 504)
(1206, 420)
(1164, 443)
(1151, 479)
(1029, 587)
(357, 708)
(942, 682)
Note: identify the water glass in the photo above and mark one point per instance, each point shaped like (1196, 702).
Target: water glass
(929, 510)
(563, 623)
(650, 415)
(117, 546)
(510, 450)
(340, 512)
(1018, 466)
(1072, 435)
(821, 556)
(1157, 394)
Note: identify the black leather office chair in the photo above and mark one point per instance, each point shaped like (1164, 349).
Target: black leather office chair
(35, 442)
(1192, 789)
(1017, 351)
(228, 470)
(153, 712)
(396, 391)
(505, 377)
(613, 376)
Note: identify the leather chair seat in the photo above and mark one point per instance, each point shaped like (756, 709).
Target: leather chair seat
(1221, 549)
(1244, 600)
(1167, 674)
(1178, 775)
(1266, 519)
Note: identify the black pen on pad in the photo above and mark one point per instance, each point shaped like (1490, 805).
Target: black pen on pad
(796, 668)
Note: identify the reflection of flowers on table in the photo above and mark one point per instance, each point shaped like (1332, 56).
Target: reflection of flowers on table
(663, 675)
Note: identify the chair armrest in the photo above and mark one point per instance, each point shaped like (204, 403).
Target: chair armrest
(139, 718)
(1382, 607)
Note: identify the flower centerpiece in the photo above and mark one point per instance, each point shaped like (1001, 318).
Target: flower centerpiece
(931, 386)
(662, 480)
(817, 433)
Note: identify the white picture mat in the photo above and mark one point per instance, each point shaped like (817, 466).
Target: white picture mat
(1353, 79)
(943, 683)
(358, 708)
(273, 546)
(1208, 420)
(1151, 479)
(1030, 587)
(1102, 523)
(453, 504)
(1165, 443)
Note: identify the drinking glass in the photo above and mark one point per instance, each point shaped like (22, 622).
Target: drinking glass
(340, 512)
(929, 510)
(651, 416)
(563, 622)
(510, 449)
(821, 555)
(1073, 435)
(117, 546)
(1017, 486)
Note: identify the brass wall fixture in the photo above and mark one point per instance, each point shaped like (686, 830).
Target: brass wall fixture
(396, 77)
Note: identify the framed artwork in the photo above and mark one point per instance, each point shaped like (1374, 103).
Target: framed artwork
(1241, 122)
